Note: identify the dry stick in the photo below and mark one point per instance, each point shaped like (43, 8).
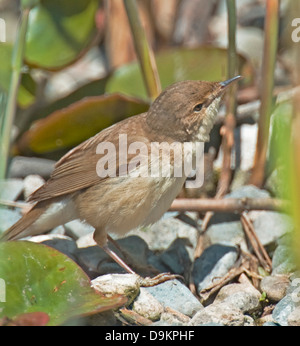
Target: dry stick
(267, 84)
(229, 205)
(230, 121)
(258, 248)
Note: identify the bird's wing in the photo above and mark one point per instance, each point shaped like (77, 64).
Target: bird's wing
(77, 169)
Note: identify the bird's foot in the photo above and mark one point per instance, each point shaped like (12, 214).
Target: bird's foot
(158, 279)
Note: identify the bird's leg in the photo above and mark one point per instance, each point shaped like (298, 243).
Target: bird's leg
(117, 259)
(145, 282)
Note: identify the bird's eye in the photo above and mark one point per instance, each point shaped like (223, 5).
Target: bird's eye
(198, 107)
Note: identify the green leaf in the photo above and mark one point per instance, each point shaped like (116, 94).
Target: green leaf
(58, 32)
(72, 125)
(38, 278)
(27, 88)
(204, 63)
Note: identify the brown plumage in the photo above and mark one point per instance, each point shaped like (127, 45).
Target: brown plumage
(118, 204)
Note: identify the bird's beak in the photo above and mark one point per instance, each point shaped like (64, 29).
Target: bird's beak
(229, 81)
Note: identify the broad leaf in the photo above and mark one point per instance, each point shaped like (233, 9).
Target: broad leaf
(36, 278)
(174, 65)
(72, 125)
(58, 32)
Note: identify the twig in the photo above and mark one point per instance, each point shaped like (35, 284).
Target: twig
(230, 205)
(267, 84)
(258, 248)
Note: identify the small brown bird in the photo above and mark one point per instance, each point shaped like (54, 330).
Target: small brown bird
(82, 187)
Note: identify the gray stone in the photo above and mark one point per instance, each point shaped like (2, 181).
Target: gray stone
(147, 306)
(10, 189)
(214, 262)
(227, 233)
(174, 260)
(32, 183)
(221, 313)
(177, 296)
(173, 318)
(243, 296)
(8, 217)
(283, 309)
(21, 167)
(249, 191)
(270, 226)
(294, 317)
(275, 286)
(59, 242)
(77, 229)
(161, 235)
(283, 260)
(105, 318)
(124, 284)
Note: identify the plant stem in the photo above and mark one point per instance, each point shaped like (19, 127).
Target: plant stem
(11, 104)
(143, 50)
(230, 121)
(267, 85)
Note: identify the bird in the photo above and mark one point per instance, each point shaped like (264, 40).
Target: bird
(93, 182)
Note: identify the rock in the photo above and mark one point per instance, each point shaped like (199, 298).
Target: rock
(294, 317)
(147, 306)
(135, 248)
(172, 317)
(77, 229)
(177, 296)
(243, 296)
(283, 261)
(174, 260)
(59, 242)
(227, 233)
(124, 284)
(214, 262)
(85, 240)
(95, 261)
(31, 183)
(105, 318)
(21, 167)
(270, 226)
(161, 235)
(8, 217)
(248, 191)
(221, 313)
(283, 309)
(275, 286)
(10, 189)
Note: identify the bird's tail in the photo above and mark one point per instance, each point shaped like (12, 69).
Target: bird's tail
(22, 228)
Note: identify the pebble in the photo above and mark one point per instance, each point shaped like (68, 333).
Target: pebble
(177, 296)
(270, 226)
(59, 242)
(147, 306)
(175, 259)
(241, 295)
(214, 262)
(275, 286)
(22, 166)
(227, 233)
(124, 284)
(10, 189)
(221, 313)
(163, 233)
(32, 183)
(294, 317)
(8, 217)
